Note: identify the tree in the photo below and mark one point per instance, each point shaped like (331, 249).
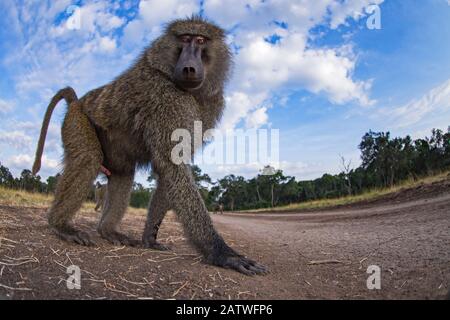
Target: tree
(6, 178)
(51, 183)
(140, 196)
(346, 167)
(30, 182)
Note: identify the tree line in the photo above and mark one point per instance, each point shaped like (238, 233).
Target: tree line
(385, 161)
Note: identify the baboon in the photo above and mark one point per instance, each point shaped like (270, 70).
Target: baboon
(218, 208)
(177, 80)
(100, 193)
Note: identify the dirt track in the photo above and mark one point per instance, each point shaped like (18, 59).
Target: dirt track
(406, 234)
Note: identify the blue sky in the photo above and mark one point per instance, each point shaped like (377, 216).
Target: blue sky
(312, 69)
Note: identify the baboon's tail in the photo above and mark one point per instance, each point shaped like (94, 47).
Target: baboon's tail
(70, 96)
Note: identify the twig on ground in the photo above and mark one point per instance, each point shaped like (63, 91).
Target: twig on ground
(324, 262)
(15, 289)
(9, 240)
(19, 263)
(163, 260)
(141, 284)
(243, 292)
(180, 288)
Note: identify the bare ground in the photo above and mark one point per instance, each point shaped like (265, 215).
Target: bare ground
(311, 255)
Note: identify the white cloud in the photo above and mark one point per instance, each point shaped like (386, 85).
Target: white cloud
(238, 105)
(152, 14)
(107, 44)
(257, 118)
(437, 100)
(290, 63)
(25, 161)
(355, 9)
(6, 106)
(91, 18)
(15, 139)
(262, 68)
(155, 12)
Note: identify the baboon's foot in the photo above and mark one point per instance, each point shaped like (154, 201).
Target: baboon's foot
(118, 239)
(70, 234)
(155, 245)
(233, 260)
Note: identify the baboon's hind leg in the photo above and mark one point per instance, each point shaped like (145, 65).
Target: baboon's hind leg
(73, 188)
(117, 200)
(82, 160)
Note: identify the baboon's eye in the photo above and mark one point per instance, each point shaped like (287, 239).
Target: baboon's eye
(185, 39)
(200, 40)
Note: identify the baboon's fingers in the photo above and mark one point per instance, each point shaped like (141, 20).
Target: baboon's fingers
(119, 239)
(244, 265)
(155, 246)
(255, 266)
(75, 236)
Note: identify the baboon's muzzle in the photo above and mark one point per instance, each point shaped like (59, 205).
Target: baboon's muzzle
(189, 71)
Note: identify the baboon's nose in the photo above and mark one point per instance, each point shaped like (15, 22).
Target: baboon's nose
(189, 72)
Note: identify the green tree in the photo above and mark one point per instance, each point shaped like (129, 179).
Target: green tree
(6, 178)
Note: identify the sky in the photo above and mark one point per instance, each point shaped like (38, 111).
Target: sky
(322, 72)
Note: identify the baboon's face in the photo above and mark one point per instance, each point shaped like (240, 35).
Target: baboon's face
(190, 70)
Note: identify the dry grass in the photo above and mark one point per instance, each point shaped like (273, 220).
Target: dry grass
(370, 195)
(12, 197)
(20, 198)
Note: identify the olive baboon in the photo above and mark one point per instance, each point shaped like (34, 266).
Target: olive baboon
(178, 80)
(218, 208)
(100, 193)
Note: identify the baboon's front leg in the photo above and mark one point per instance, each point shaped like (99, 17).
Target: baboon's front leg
(157, 209)
(183, 194)
(117, 200)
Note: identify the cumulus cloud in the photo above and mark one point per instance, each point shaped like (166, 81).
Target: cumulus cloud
(289, 61)
(152, 14)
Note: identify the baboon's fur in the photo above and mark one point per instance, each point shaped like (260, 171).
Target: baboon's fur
(134, 117)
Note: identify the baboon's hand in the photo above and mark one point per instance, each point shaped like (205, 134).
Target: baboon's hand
(73, 235)
(242, 264)
(119, 239)
(155, 245)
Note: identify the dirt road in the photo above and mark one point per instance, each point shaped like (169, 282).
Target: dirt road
(319, 254)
